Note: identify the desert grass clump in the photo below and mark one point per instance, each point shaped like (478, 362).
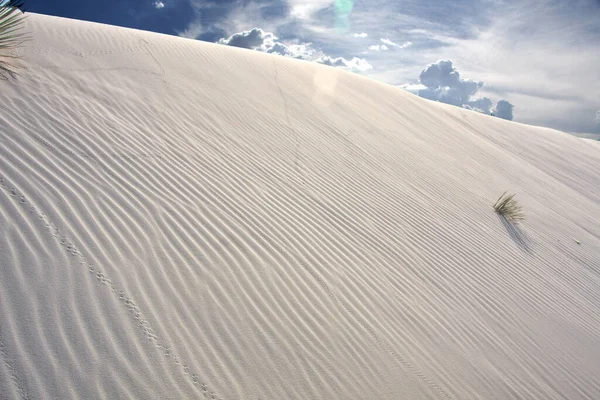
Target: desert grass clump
(507, 207)
(12, 35)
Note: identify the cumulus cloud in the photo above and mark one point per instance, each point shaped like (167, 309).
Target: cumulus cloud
(302, 51)
(442, 82)
(482, 105)
(504, 110)
(356, 63)
(255, 38)
(361, 35)
(159, 4)
(258, 39)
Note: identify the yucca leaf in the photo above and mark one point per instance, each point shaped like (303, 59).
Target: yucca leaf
(508, 207)
(12, 34)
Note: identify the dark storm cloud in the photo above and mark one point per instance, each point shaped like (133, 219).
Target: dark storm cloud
(443, 83)
(504, 110)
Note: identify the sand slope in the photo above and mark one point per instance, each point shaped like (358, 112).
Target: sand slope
(187, 220)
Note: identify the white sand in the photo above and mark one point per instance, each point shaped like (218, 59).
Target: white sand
(187, 220)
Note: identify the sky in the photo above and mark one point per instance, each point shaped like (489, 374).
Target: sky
(533, 61)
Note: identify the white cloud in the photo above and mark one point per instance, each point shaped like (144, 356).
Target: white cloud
(260, 40)
(159, 4)
(359, 64)
(412, 87)
(389, 43)
(361, 35)
(378, 47)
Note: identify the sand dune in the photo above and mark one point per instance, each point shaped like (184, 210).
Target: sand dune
(187, 220)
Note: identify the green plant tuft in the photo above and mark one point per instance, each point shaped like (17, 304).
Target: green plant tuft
(508, 207)
(12, 35)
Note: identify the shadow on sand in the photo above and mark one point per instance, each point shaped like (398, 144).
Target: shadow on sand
(517, 235)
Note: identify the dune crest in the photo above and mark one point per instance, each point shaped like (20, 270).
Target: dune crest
(188, 220)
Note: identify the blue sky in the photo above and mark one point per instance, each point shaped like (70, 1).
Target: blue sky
(542, 56)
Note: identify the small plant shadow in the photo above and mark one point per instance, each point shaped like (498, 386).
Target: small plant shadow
(516, 234)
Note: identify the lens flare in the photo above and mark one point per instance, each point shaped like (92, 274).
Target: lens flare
(343, 9)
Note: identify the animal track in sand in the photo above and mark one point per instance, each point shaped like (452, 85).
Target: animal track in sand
(141, 49)
(101, 277)
(21, 388)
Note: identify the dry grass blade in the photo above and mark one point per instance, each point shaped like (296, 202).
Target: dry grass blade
(12, 34)
(508, 207)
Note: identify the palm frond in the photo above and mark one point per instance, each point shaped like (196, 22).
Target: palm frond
(508, 207)
(12, 34)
